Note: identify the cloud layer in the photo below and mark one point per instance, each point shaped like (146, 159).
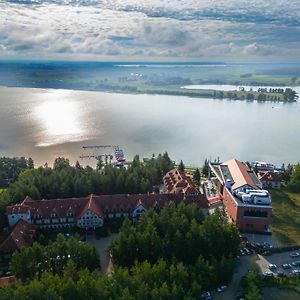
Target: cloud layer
(165, 29)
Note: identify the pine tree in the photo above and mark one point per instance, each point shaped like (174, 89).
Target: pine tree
(181, 166)
(197, 177)
(205, 168)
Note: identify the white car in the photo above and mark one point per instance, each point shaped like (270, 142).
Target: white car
(296, 272)
(268, 274)
(272, 267)
(286, 266)
(205, 295)
(294, 254)
(221, 288)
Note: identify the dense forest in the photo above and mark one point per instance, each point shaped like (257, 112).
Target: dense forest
(176, 254)
(10, 168)
(176, 233)
(64, 180)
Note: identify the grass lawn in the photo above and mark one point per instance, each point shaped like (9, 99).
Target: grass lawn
(286, 217)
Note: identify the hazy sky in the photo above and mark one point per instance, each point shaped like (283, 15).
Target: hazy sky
(150, 29)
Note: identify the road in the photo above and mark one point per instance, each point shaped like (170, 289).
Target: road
(102, 245)
(263, 263)
(242, 266)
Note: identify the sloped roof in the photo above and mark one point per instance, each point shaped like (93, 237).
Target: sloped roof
(176, 181)
(92, 205)
(270, 176)
(19, 237)
(239, 173)
(4, 281)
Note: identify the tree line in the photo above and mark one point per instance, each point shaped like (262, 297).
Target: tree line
(142, 282)
(293, 183)
(10, 168)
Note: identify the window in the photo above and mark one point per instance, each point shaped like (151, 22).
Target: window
(255, 214)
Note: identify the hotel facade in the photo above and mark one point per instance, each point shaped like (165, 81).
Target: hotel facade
(246, 203)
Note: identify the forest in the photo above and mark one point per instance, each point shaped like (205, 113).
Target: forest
(173, 254)
(10, 168)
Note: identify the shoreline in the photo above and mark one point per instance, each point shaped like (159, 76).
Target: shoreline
(248, 96)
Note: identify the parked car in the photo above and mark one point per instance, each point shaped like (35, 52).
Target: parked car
(268, 274)
(286, 266)
(206, 296)
(242, 252)
(272, 267)
(296, 272)
(294, 254)
(296, 263)
(239, 296)
(221, 288)
(267, 245)
(247, 251)
(280, 274)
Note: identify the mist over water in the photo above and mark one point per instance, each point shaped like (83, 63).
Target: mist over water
(45, 123)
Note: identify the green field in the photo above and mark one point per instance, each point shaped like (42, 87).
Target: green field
(162, 78)
(286, 217)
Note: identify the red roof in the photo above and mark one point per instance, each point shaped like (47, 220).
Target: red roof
(101, 205)
(92, 206)
(239, 173)
(4, 281)
(177, 182)
(270, 176)
(19, 237)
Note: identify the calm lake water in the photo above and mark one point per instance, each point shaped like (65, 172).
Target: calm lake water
(45, 124)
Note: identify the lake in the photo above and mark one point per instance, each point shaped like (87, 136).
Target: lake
(45, 123)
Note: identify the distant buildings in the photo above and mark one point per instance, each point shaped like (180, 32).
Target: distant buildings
(269, 175)
(270, 179)
(246, 204)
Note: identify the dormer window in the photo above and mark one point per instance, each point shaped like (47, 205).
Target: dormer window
(54, 215)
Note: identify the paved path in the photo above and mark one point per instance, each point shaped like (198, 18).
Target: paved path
(102, 245)
(230, 293)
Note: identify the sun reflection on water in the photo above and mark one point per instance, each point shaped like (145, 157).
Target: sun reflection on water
(60, 120)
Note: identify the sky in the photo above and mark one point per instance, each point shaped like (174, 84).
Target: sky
(171, 30)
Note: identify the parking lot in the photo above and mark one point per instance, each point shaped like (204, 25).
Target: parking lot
(277, 259)
(261, 238)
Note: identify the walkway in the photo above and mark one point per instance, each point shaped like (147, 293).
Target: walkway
(102, 245)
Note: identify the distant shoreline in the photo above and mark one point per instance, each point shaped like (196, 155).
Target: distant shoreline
(248, 96)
